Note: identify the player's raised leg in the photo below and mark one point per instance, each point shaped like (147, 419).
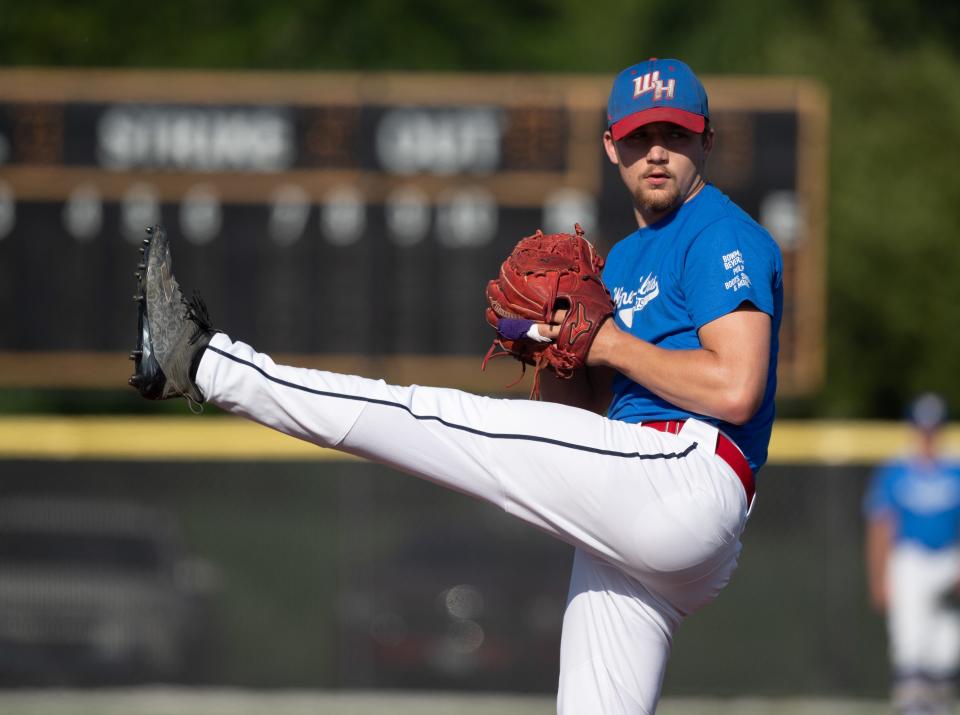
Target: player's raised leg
(652, 503)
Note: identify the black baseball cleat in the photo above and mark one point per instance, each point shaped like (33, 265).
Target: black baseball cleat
(173, 331)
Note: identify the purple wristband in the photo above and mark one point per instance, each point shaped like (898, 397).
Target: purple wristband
(513, 328)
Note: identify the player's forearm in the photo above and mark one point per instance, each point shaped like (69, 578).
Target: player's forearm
(878, 553)
(700, 381)
(878, 589)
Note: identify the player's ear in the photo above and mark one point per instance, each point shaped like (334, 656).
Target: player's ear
(611, 147)
(708, 138)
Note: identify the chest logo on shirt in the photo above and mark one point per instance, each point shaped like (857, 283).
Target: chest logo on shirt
(928, 495)
(633, 301)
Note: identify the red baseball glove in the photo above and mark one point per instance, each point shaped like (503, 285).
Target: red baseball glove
(542, 274)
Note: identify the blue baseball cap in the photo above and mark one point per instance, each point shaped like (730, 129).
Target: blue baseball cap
(656, 91)
(928, 411)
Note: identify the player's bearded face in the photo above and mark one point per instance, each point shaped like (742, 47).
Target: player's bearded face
(661, 164)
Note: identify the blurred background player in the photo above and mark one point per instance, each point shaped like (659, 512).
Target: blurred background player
(913, 564)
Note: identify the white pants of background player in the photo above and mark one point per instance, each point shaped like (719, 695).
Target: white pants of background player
(924, 633)
(656, 518)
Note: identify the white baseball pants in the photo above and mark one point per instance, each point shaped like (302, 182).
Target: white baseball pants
(656, 518)
(924, 634)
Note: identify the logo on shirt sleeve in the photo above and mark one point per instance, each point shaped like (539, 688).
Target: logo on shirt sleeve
(734, 262)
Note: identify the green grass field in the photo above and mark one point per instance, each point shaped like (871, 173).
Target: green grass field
(160, 701)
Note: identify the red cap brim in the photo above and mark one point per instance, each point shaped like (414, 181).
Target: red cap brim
(688, 120)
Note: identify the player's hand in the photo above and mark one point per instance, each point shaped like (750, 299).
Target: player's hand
(551, 330)
(605, 337)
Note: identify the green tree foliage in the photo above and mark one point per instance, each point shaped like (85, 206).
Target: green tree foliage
(891, 69)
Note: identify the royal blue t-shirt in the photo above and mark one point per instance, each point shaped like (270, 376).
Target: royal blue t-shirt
(923, 499)
(673, 277)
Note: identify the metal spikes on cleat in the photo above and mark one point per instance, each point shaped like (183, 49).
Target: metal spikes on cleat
(172, 332)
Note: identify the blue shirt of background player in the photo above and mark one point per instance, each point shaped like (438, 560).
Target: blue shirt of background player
(923, 499)
(669, 279)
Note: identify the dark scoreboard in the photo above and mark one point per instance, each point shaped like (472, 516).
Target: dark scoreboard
(356, 216)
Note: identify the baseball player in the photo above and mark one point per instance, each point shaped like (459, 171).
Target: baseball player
(653, 487)
(913, 565)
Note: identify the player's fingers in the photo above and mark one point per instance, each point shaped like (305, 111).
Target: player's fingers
(551, 330)
(548, 331)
